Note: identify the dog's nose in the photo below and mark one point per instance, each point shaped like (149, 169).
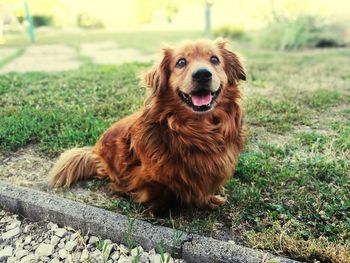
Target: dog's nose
(201, 75)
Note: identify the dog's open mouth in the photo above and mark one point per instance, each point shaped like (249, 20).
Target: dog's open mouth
(200, 101)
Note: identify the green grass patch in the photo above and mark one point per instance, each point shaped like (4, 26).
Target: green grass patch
(276, 116)
(325, 98)
(312, 139)
(66, 109)
(342, 141)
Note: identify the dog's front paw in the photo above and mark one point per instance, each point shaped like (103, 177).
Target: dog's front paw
(215, 201)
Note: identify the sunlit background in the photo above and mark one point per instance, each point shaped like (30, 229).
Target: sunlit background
(230, 18)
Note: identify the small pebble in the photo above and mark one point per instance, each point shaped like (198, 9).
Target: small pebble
(115, 255)
(25, 242)
(62, 253)
(74, 236)
(27, 228)
(55, 260)
(28, 259)
(70, 246)
(123, 249)
(11, 233)
(21, 253)
(6, 253)
(14, 224)
(93, 240)
(124, 259)
(97, 255)
(84, 255)
(61, 245)
(44, 250)
(136, 251)
(60, 232)
(55, 240)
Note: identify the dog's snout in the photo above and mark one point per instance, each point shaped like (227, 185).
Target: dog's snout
(201, 75)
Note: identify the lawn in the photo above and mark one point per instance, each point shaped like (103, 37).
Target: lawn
(290, 193)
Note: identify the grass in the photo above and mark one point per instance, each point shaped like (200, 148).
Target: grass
(290, 192)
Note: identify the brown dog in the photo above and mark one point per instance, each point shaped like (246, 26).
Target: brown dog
(183, 145)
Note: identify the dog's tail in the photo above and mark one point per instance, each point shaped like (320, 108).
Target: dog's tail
(73, 165)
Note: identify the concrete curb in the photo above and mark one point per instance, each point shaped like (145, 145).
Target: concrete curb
(37, 206)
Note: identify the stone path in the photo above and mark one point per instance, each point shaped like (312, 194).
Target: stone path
(25, 242)
(52, 58)
(110, 53)
(47, 58)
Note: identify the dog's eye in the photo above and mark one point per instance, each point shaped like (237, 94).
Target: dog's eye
(214, 60)
(181, 63)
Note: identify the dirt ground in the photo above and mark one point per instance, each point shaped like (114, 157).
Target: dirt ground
(25, 167)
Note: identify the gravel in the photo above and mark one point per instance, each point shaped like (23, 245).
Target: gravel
(26, 242)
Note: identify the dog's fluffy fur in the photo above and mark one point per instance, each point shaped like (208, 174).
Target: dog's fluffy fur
(167, 153)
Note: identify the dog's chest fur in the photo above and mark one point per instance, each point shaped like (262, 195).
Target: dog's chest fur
(193, 156)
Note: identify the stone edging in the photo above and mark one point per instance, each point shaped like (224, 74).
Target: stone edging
(37, 206)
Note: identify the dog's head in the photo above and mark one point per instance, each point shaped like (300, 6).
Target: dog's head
(196, 73)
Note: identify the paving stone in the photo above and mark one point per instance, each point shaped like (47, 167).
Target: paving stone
(110, 53)
(48, 58)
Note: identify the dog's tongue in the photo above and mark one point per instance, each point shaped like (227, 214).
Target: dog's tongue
(200, 100)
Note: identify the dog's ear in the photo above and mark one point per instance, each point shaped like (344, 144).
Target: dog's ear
(233, 67)
(157, 78)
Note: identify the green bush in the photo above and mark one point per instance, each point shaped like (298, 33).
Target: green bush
(38, 20)
(304, 31)
(231, 32)
(88, 21)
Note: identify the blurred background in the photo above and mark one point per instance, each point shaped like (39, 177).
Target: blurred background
(275, 24)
